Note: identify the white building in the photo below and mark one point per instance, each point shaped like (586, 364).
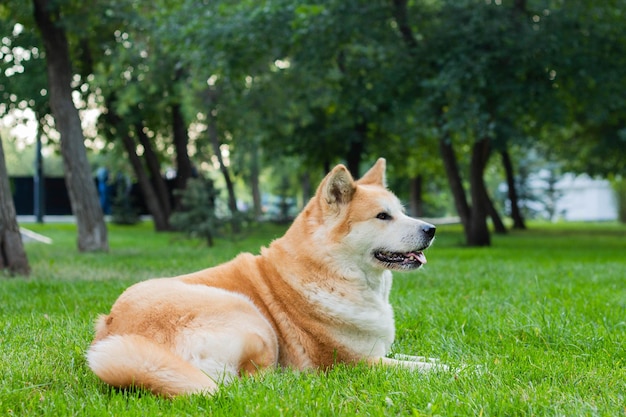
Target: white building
(583, 198)
(568, 197)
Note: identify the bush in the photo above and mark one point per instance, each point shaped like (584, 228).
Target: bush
(123, 211)
(197, 217)
(620, 193)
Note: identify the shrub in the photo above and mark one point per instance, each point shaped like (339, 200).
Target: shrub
(123, 210)
(197, 217)
(620, 193)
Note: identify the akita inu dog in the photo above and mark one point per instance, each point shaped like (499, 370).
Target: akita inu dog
(315, 297)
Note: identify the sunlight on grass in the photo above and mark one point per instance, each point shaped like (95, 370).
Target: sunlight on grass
(534, 325)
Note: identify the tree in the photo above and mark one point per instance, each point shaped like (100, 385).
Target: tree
(589, 73)
(23, 84)
(92, 231)
(12, 254)
(320, 78)
(516, 214)
(212, 132)
(438, 86)
(196, 217)
(154, 204)
(180, 137)
(483, 72)
(347, 72)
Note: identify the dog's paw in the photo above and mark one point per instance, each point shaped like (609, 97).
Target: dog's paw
(410, 358)
(420, 363)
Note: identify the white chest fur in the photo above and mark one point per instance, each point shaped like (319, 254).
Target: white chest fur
(360, 320)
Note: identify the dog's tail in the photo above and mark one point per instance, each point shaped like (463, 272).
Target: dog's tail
(132, 360)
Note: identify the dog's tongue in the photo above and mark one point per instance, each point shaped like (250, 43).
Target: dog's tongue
(421, 258)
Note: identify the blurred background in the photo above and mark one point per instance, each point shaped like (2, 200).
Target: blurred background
(489, 112)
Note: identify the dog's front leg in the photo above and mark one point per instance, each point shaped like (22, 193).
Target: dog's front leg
(417, 363)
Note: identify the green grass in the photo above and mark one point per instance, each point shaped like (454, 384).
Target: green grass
(536, 324)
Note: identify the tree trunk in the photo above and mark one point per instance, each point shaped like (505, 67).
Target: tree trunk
(12, 254)
(39, 207)
(215, 142)
(456, 185)
(519, 17)
(479, 232)
(184, 169)
(357, 146)
(92, 231)
(307, 189)
(161, 220)
(400, 15)
(254, 182)
(416, 192)
(498, 225)
(326, 165)
(516, 213)
(160, 214)
(154, 168)
(519, 6)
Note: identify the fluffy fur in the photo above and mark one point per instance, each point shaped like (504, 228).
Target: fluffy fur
(317, 296)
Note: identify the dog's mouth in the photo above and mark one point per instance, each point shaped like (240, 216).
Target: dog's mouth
(400, 260)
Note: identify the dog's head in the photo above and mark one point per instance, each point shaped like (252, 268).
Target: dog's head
(366, 224)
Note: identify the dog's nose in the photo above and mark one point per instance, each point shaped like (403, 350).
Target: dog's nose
(429, 230)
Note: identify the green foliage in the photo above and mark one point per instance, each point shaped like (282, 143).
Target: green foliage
(22, 62)
(285, 207)
(619, 185)
(197, 217)
(123, 210)
(534, 325)
(322, 82)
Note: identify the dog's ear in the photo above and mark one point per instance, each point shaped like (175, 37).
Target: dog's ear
(338, 187)
(376, 174)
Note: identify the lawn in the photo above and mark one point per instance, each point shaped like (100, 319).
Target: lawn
(534, 325)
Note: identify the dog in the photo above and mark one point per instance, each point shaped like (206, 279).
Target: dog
(317, 296)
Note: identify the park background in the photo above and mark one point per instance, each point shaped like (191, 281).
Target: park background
(481, 108)
(216, 119)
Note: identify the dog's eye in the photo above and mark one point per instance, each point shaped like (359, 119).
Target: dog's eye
(383, 216)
